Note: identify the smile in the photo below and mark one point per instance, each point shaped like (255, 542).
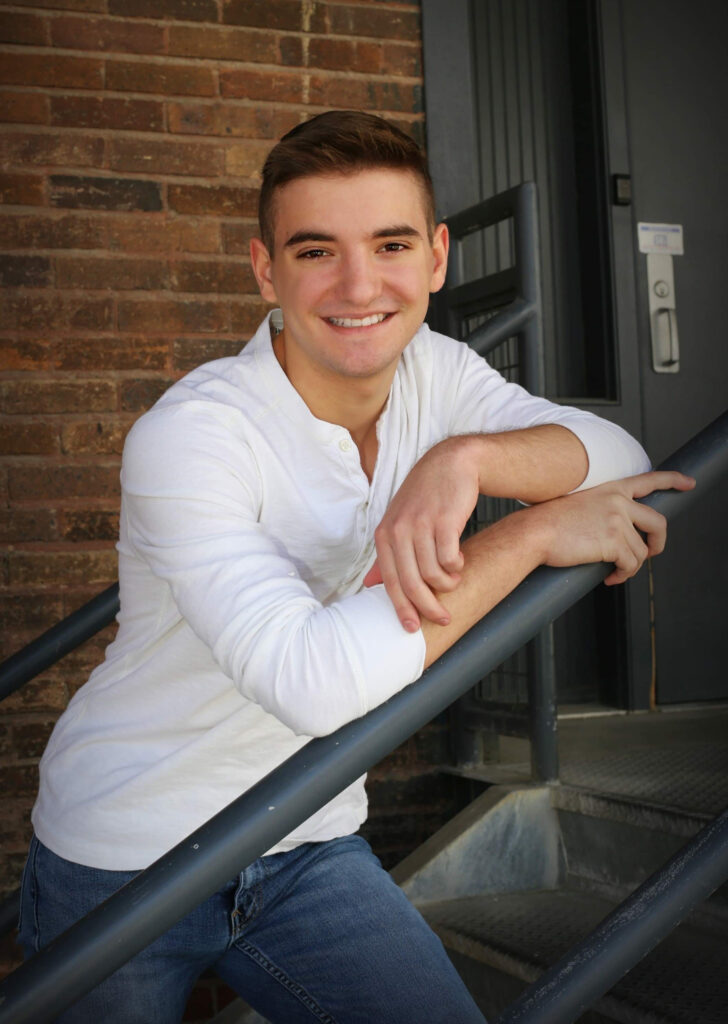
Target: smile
(352, 321)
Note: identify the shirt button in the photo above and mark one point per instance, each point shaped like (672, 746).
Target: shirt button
(345, 444)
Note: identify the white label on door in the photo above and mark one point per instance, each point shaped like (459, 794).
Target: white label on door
(661, 238)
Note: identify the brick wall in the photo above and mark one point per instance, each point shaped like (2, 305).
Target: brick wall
(132, 135)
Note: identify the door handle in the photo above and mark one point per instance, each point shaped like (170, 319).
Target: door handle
(663, 313)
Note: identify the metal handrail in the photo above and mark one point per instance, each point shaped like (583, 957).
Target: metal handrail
(158, 897)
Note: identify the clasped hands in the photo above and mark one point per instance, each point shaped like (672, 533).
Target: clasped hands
(419, 554)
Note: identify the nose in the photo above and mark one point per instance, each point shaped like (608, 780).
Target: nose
(360, 281)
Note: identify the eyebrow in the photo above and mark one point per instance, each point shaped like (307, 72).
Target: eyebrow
(390, 231)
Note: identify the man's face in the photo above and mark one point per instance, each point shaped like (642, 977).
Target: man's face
(352, 270)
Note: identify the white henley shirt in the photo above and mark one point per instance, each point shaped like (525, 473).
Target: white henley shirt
(247, 527)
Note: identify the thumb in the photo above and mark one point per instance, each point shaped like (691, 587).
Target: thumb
(373, 577)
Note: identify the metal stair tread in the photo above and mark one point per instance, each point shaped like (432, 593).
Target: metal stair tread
(683, 981)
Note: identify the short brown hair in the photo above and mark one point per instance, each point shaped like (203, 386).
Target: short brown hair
(339, 142)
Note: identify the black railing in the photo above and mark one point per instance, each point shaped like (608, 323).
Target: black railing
(158, 897)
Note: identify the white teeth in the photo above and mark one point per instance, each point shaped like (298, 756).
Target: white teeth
(351, 321)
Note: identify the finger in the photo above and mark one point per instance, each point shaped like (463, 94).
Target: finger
(374, 576)
(406, 611)
(659, 480)
(653, 525)
(415, 588)
(429, 566)
(447, 544)
(629, 559)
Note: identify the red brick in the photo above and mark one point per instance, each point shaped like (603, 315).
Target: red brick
(245, 317)
(140, 395)
(119, 36)
(52, 70)
(117, 274)
(34, 397)
(178, 10)
(152, 234)
(74, 192)
(39, 149)
(270, 14)
(229, 119)
(99, 437)
(40, 694)
(191, 352)
(290, 51)
(93, 112)
(36, 612)
(281, 86)
(218, 200)
(19, 780)
(92, 6)
(378, 23)
(23, 107)
(24, 354)
(65, 567)
(28, 438)
(22, 190)
(88, 525)
(38, 312)
(345, 55)
(402, 60)
(236, 237)
(30, 738)
(28, 271)
(165, 316)
(30, 483)
(236, 44)
(164, 79)
(368, 94)
(42, 232)
(18, 525)
(213, 276)
(23, 28)
(153, 157)
(118, 352)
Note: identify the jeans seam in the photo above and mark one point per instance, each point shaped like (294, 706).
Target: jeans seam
(296, 990)
(29, 883)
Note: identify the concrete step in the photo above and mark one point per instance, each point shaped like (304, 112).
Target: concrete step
(502, 941)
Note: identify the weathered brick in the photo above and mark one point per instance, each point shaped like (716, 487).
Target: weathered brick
(246, 160)
(179, 10)
(345, 55)
(99, 437)
(51, 69)
(369, 94)
(74, 192)
(38, 312)
(229, 119)
(218, 200)
(40, 694)
(29, 271)
(245, 317)
(35, 612)
(23, 107)
(6, 745)
(92, 6)
(404, 60)
(281, 86)
(48, 150)
(18, 526)
(22, 190)
(188, 158)
(213, 276)
(34, 397)
(28, 438)
(378, 23)
(271, 14)
(116, 113)
(165, 316)
(154, 234)
(21, 780)
(237, 44)
(95, 481)
(118, 274)
(30, 738)
(290, 51)
(191, 352)
(117, 352)
(42, 232)
(236, 237)
(24, 354)
(164, 79)
(88, 525)
(140, 395)
(65, 567)
(29, 29)
(120, 36)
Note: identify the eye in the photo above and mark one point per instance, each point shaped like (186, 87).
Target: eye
(312, 254)
(394, 247)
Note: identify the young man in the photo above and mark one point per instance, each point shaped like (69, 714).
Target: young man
(289, 558)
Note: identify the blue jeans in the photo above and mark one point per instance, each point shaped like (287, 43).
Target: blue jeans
(320, 933)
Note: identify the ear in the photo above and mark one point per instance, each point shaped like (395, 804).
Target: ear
(262, 264)
(440, 247)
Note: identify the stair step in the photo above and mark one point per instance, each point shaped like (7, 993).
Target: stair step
(683, 981)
